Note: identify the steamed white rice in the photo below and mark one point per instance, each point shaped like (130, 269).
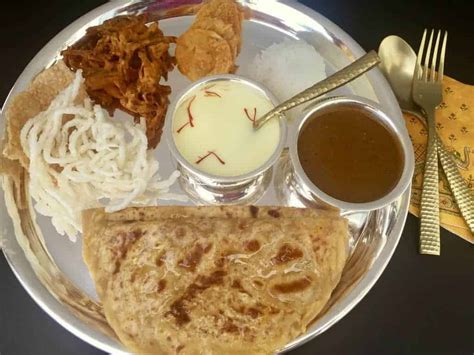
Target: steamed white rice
(288, 67)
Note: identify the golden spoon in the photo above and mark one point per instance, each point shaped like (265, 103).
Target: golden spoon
(342, 77)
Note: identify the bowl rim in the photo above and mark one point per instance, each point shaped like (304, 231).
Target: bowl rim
(375, 111)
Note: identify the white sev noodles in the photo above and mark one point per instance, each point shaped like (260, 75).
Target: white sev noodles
(88, 161)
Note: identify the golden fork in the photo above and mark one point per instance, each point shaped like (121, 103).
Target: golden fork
(427, 93)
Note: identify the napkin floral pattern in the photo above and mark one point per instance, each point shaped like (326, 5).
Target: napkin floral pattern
(455, 126)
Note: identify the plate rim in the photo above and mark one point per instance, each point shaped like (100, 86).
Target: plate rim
(61, 314)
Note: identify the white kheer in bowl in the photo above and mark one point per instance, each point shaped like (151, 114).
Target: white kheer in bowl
(211, 134)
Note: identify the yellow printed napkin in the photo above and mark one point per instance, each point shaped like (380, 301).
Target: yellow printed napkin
(455, 126)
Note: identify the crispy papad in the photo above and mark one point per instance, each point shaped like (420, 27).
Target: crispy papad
(211, 45)
(202, 52)
(213, 280)
(225, 30)
(27, 104)
(228, 11)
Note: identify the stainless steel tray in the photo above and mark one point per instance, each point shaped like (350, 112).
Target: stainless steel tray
(51, 268)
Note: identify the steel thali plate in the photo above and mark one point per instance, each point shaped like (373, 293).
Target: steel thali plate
(50, 267)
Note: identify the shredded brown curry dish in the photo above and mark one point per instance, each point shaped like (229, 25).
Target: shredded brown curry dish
(123, 61)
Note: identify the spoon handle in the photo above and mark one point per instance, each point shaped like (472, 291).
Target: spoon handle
(429, 211)
(342, 77)
(462, 194)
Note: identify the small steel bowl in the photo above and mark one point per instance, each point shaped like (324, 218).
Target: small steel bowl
(208, 188)
(311, 192)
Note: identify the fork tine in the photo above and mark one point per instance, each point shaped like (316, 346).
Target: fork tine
(435, 56)
(441, 58)
(427, 57)
(418, 70)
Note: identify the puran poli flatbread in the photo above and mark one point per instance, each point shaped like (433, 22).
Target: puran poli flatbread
(27, 104)
(151, 214)
(213, 280)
